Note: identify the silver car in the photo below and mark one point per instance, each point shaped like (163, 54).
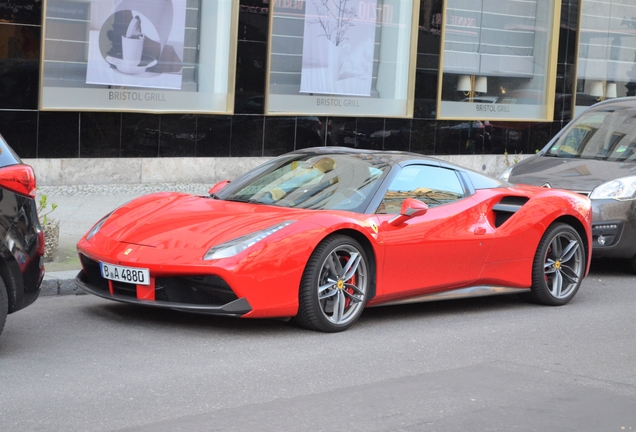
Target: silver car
(594, 155)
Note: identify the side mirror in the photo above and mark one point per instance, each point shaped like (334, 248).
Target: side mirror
(410, 208)
(217, 187)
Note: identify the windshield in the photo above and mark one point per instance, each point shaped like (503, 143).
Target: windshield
(605, 135)
(320, 182)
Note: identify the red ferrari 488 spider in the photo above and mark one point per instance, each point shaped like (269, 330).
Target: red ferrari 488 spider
(322, 233)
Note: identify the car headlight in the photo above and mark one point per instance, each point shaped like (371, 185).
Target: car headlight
(97, 227)
(238, 245)
(621, 189)
(504, 176)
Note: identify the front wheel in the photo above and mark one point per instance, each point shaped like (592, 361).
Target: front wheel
(334, 286)
(559, 266)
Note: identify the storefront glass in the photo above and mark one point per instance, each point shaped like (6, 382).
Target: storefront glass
(342, 57)
(607, 51)
(499, 59)
(139, 55)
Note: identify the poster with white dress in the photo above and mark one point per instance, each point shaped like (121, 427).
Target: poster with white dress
(338, 47)
(136, 43)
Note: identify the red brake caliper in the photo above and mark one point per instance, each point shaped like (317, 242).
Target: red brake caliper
(352, 281)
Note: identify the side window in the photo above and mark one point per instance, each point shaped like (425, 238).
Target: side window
(433, 185)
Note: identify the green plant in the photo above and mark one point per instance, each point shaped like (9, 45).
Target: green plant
(43, 209)
(514, 160)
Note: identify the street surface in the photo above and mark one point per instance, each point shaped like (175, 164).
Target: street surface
(81, 363)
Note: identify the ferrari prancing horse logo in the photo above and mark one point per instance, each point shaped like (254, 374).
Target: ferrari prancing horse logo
(127, 251)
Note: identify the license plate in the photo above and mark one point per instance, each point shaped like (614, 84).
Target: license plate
(132, 275)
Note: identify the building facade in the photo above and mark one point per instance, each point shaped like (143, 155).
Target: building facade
(250, 129)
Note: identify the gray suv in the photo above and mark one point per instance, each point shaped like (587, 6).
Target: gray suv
(595, 155)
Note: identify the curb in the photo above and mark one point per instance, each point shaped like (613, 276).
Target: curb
(60, 283)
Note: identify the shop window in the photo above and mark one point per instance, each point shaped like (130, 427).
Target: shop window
(139, 55)
(499, 60)
(342, 57)
(606, 66)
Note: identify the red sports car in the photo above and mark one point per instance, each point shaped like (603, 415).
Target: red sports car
(322, 233)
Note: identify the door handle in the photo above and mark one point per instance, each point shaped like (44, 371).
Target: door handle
(480, 230)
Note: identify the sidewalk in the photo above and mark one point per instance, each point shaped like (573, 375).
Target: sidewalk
(78, 209)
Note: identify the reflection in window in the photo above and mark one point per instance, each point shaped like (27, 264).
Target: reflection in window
(334, 182)
(608, 135)
(607, 46)
(499, 50)
(432, 185)
(341, 57)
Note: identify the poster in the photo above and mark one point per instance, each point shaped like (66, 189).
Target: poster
(136, 43)
(338, 47)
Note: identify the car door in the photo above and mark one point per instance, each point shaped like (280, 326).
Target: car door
(447, 246)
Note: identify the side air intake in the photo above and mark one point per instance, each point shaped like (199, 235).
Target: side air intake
(506, 208)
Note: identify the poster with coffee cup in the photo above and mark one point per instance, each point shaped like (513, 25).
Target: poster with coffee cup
(136, 43)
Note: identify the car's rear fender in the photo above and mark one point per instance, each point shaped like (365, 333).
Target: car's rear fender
(518, 234)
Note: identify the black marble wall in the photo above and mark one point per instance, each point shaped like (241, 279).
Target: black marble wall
(35, 134)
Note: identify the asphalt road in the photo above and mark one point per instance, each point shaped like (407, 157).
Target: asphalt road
(80, 363)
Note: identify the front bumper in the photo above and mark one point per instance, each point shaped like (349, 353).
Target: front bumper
(189, 296)
(613, 228)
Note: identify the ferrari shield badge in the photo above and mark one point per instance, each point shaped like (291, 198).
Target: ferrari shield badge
(374, 227)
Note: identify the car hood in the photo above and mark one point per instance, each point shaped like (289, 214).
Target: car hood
(176, 220)
(581, 175)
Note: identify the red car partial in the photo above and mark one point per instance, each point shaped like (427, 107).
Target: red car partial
(322, 233)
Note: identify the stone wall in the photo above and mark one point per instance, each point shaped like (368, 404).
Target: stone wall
(65, 172)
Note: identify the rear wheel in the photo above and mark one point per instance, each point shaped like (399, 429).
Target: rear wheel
(559, 266)
(4, 304)
(335, 285)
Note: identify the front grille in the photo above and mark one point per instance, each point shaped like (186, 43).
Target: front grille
(199, 290)
(93, 275)
(124, 289)
(95, 279)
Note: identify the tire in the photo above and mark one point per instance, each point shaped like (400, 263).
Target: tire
(335, 285)
(4, 305)
(559, 266)
(632, 264)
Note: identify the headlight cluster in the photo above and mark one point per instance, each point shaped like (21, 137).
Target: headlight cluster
(238, 245)
(621, 189)
(504, 176)
(97, 227)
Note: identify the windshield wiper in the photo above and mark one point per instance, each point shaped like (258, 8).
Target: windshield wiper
(243, 200)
